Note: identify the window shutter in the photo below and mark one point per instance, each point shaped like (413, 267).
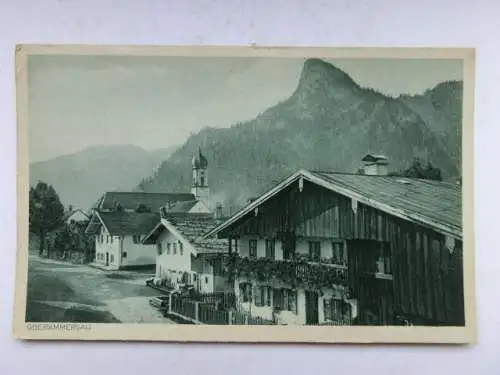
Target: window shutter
(292, 301)
(258, 296)
(327, 309)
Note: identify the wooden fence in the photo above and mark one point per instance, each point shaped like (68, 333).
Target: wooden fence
(219, 299)
(339, 323)
(200, 312)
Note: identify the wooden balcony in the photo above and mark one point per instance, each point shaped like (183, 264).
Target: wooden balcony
(293, 271)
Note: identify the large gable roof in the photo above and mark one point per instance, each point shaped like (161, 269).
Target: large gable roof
(122, 223)
(192, 227)
(131, 200)
(433, 204)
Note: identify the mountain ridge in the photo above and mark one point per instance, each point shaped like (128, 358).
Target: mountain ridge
(329, 113)
(81, 177)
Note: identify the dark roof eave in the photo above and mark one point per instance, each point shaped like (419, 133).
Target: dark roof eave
(222, 230)
(153, 235)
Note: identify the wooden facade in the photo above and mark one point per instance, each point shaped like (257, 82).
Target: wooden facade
(425, 283)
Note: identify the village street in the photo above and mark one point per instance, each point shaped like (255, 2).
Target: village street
(61, 292)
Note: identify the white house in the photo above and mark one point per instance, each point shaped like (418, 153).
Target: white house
(184, 256)
(76, 216)
(118, 239)
(121, 219)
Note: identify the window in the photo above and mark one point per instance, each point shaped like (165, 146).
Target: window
(181, 248)
(384, 259)
(124, 255)
(252, 248)
(269, 295)
(168, 248)
(289, 246)
(278, 301)
(270, 249)
(112, 259)
(260, 296)
(136, 239)
(263, 296)
(174, 245)
(107, 239)
(285, 299)
(246, 292)
(315, 251)
(218, 267)
(111, 239)
(332, 309)
(338, 253)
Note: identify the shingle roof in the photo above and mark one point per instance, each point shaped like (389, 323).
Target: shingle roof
(131, 200)
(435, 200)
(193, 227)
(181, 207)
(129, 223)
(435, 204)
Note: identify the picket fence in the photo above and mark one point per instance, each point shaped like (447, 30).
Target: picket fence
(214, 312)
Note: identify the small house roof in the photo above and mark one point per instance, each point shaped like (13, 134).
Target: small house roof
(192, 227)
(122, 223)
(72, 212)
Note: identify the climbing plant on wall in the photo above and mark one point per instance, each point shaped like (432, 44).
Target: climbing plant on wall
(295, 272)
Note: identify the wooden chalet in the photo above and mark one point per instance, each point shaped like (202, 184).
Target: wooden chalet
(331, 248)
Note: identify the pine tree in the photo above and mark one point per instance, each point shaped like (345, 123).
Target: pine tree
(46, 212)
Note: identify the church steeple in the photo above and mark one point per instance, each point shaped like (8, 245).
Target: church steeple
(199, 161)
(199, 186)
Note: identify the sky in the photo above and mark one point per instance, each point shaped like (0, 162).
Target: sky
(75, 102)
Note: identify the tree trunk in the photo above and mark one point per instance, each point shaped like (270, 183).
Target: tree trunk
(40, 245)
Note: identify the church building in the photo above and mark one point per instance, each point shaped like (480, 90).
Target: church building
(120, 220)
(183, 255)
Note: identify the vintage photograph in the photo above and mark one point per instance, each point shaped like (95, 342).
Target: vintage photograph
(314, 194)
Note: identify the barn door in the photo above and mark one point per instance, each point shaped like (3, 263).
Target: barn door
(312, 313)
(368, 282)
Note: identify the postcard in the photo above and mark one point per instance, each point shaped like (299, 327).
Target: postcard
(245, 194)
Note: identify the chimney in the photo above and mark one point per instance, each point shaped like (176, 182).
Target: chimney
(170, 204)
(163, 212)
(375, 165)
(218, 211)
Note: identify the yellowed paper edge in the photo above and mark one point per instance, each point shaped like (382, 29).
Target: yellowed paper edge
(274, 334)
